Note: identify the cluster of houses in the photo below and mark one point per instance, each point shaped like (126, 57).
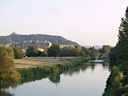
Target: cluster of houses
(41, 45)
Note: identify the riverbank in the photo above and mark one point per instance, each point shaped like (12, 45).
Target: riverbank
(117, 83)
(34, 73)
(52, 70)
(113, 83)
(78, 81)
(29, 62)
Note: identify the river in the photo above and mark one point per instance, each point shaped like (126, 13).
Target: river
(83, 81)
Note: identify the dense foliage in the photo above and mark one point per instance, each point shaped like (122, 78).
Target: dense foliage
(6, 65)
(113, 83)
(17, 53)
(71, 51)
(32, 51)
(117, 85)
(42, 53)
(6, 58)
(121, 49)
(54, 50)
(93, 53)
(105, 49)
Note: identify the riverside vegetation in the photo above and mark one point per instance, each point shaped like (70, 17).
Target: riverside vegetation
(10, 73)
(35, 73)
(52, 72)
(55, 80)
(117, 83)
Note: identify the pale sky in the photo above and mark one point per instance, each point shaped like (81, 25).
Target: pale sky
(88, 22)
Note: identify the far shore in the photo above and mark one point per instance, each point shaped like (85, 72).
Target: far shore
(29, 62)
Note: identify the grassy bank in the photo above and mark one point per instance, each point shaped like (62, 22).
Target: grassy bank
(34, 73)
(28, 62)
(47, 68)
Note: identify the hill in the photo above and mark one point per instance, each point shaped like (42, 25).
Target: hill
(12, 38)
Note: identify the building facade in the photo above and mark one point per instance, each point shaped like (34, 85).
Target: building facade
(44, 45)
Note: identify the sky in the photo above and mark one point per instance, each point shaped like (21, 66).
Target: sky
(87, 22)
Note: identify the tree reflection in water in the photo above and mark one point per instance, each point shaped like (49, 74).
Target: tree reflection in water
(4, 88)
(54, 77)
(83, 67)
(4, 92)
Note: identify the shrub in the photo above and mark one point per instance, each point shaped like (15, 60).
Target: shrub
(14, 76)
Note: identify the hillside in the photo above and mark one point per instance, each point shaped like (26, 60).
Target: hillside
(12, 38)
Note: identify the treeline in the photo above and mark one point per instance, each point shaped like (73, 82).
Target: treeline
(70, 51)
(117, 84)
(7, 55)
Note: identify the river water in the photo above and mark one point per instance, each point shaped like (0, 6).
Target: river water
(83, 81)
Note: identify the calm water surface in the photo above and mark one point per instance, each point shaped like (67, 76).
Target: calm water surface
(84, 81)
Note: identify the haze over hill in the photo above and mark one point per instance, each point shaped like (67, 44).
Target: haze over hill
(14, 37)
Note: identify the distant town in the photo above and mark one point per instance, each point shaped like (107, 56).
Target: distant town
(41, 45)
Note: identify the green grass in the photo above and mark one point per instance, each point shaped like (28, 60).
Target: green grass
(28, 62)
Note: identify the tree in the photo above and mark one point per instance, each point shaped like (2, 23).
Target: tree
(74, 52)
(65, 51)
(112, 57)
(121, 49)
(105, 52)
(117, 82)
(6, 61)
(40, 53)
(54, 50)
(71, 51)
(17, 53)
(105, 49)
(6, 58)
(87, 57)
(32, 51)
(84, 50)
(93, 53)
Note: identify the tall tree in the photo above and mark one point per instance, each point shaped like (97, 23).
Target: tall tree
(6, 58)
(93, 53)
(32, 51)
(6, 61)
(105, 49)
(18, 53)
(117, 84)
(54, 50)
(121, 49)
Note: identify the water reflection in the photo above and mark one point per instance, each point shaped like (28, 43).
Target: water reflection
(85, 66)
(4, 88)
(54, 78)
(4, 92)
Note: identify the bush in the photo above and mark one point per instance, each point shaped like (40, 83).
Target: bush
(14, 76)
(114, 82)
